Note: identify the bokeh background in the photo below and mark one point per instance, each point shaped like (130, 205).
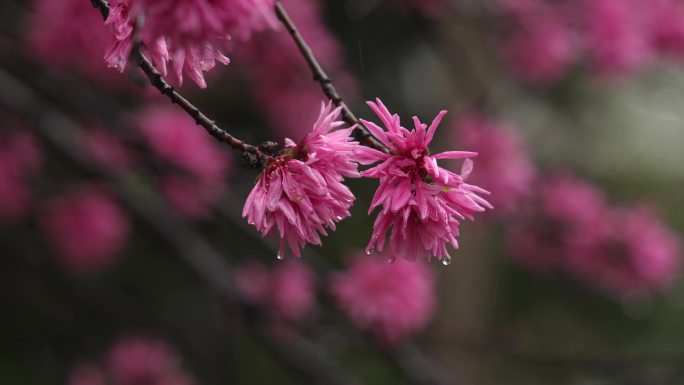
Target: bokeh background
(124, 259)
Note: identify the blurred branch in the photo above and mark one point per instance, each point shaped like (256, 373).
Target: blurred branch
(251, 153)
(57, 129)
(360, 131)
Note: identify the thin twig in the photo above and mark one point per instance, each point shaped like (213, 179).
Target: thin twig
(252, 153)
(361, 133)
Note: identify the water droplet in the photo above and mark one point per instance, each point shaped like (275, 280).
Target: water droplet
(370, 251)
(446, 261)
(280, 257)
(391, 259)
(339, 218)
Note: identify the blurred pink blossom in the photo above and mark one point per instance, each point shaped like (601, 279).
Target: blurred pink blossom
(56, 39)
(615, 35)
(134, 360)
(562, 222)
(666, 27)
(200, 181)
(86, 227)
(541, 47)
(20, 159)
(301, 191)
(106, 148)
(421, 202)
(636, 253)
(287, 290)
(503, 166)
(393, 301)
(572, 230)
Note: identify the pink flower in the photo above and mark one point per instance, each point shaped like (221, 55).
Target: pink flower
(503, 165)
(137, 360)
(422, 203)
(392, 301)
(541, 47)
(563, 222)
(287, 291)
(190, 34)
(56, 39)
(121, 24)
(86, 227)
(134, 360)
(202, 166)
(301, 191)
(636, 253)
(666, 27)
(615, 35)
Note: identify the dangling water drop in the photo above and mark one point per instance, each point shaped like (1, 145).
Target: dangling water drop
(280, 257)
(391, 259)
(339, 218)
(446, 261)
(370, 251)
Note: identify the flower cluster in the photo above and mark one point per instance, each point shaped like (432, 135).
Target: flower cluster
(133, 361)
(392, 301)
(422, 203)
(86, 228)
(544, 39)
(188, 34)
(301, 191)
(573, 230)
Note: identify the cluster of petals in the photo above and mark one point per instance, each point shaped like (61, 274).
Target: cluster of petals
(85, 227)
(422, 203)
(20, 159)
(503, 165)
(196, 177)
(286, 291)
(545, 39)
(301, 192)
(573, 230)
(133, 360)
(392, 301)
(190, 35)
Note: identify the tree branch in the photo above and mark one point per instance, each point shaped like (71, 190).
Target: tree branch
(361, 133)
(251, 153)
